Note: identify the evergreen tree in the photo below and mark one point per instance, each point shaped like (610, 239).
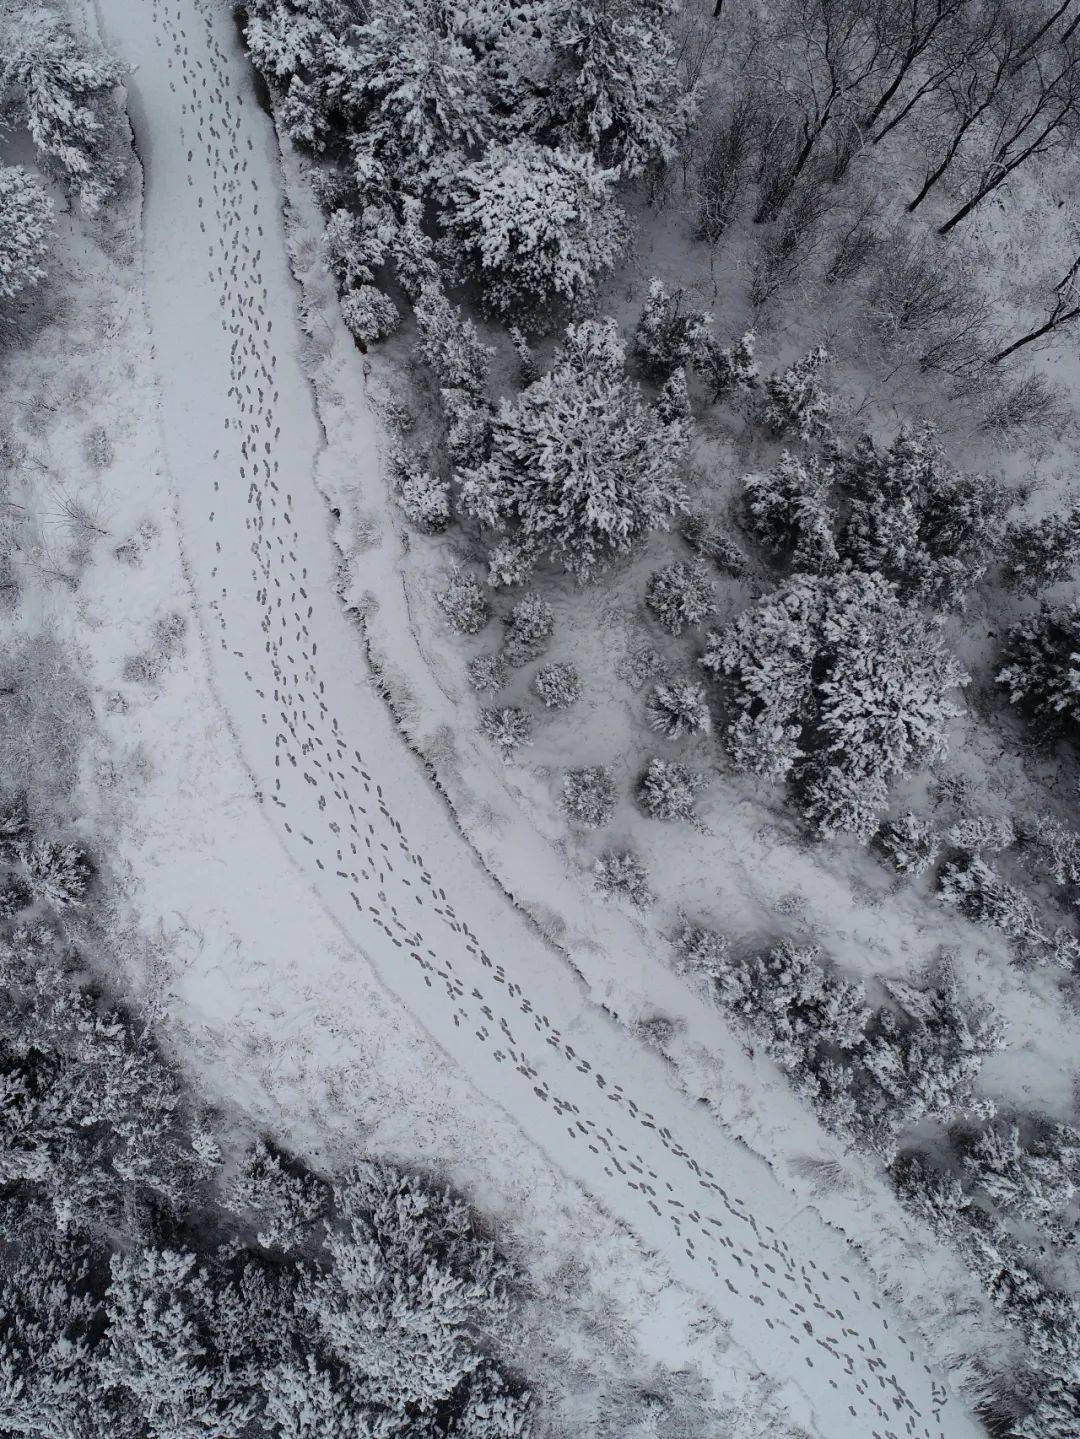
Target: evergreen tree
(507, 728)
(703, 953)
(558, 686)
(369, 314)
(668, 338)
(529, 628)
(535, 226)
(25, 231)
(59, 85)
(788, 512)
(622, 875)
(681, 594)
(795, 401)
(710, 537)
(58, 874)
(981, 895)
(464, 603)
(673, 406)
(580, 467)
(1041, 553)
(588, 796)
(1042, 671)
(668, 790)
(488, 673)
(678, 707)
(285, 1203)
(727, 369)
(421, 493)
(909, 842)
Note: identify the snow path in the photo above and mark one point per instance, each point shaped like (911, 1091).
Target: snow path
(353, 809)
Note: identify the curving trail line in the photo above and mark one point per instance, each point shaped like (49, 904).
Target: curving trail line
(358, 818)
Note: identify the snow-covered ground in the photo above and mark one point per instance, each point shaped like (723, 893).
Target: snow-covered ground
(362, 829)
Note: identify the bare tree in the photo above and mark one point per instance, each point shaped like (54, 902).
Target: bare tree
(722, 170)
(1064, 309)
(912, 32)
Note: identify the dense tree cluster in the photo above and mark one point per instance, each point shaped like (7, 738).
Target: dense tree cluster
(154, 1289)
(832, 682)
(25, 226)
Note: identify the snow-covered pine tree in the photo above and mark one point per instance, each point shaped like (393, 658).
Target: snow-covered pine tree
(1042, 671)
(673, 405)
(58, 83)
(935, 1196)
(529, 628)
(305, 1401)
(710, 537)
(487, 673)
(1041, 553)
(981, 834)
(668, 790)
(464, 603)
(983, 896)
(534, 226)
(789, 512)
(580, 466)
(909, 842)
(796, 403)
(588, 796)
(284, 1202)
(25, 231)
(620, 874)
(668, 336)
(558, 686)
(14, 828)
(450, 344)
(422, 494)
(728, 369)
(702, 953)
(681, 594)
(58, 874)
(678, 707)
(615, 87)
(369, 314)
(507, 728)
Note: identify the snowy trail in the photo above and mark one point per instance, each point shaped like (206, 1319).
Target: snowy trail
(355, 813)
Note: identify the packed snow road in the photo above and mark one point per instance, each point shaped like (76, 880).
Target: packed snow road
(353, 809)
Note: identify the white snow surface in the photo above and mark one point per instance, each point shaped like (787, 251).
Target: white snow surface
(354, 811)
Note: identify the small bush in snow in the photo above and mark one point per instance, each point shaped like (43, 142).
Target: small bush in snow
(909, 843)
(588, 796)
(981, 895)
(510, 563)
(422, 495)
(529, 627)
(25, 231)
(558, 686)
(623, 876)
(709, 536)
(507, 729)
(487, 673)
(667, 790)
(702, 952)
(796, 403)
(681, 594)
(1042, 675)
(58, 874)
(464, 603)
(727, 368)
(668, 337)
(678, 707)
(369, 314)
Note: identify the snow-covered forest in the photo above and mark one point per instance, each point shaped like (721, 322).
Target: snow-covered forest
(539, 854)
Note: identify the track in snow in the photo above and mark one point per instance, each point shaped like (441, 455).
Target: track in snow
(242, 439)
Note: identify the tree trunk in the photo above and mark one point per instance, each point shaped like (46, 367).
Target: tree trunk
(1055, 322)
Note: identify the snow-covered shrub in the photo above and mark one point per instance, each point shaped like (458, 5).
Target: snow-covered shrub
(1041, 553)
(673, 404)
(580, 466)
(914, 519)
(588, 796)
(510, 563)
(25, 230)
(558, 686)
(668, 337)
(796, 403)
(709, 536)
(1051, 849)
(58, 874)
(535, 225)
(727, 369)
(617, 88)
(981, 834)
(286, 1204)
(464, 603)
(835, 683)
(369, 314)
(487, 673)
(1042, 673)
(353, 246)
(529, 627)
(702, 952)
(981, 895)
(424, 497)
(450, 344)
(788, 512)
(622, 875)
(507, 729)
(668, 790)
(909, 842)
(678, 707)
(57, 82)
(681, 594)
